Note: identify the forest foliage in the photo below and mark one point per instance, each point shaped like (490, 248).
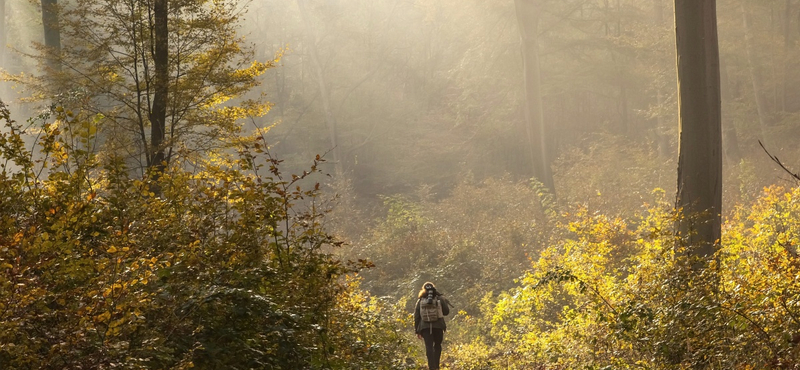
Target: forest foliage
(602, 291)
(225, 267)
(223, 260)
(230, 266)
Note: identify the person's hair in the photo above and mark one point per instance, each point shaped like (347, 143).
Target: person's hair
(423, 292)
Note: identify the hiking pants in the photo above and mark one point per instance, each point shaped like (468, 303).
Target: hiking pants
(433, 346)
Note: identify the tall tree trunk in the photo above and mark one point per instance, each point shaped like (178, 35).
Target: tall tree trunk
(755, 75)
(330, 119)
(537, 130)
(700, 159)
(158, 113)
(52, 33)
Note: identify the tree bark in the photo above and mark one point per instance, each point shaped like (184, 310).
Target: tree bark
(700, 159)
(537, 130)
(52, 33)
(330, 119)
(158, 113)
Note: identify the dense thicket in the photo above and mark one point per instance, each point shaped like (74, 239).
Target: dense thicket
(227, 267)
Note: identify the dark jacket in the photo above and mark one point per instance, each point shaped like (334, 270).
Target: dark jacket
(420, 325)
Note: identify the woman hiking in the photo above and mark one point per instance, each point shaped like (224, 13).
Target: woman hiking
(429, 323)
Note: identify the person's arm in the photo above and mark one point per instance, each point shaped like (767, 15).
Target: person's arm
(417, 317)
(445, 306)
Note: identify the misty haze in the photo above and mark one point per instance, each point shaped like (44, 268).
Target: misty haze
(400, 184)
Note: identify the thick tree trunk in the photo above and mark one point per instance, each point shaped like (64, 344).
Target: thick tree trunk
(755, 75)
(537, 130)
(700, 159)
(158, 113)
(52, 33)
(330, 119)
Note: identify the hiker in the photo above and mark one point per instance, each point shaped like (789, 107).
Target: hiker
(429, 323)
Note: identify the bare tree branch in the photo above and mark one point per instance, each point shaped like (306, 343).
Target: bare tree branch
(778, 161)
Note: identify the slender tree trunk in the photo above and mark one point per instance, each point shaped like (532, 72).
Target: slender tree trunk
(623, 98)
(623, 88)
(3, 34)
(330, 119)
(776, 105)
(730, 140)
(538, 133)
(700, 159)
(787, 51)
(158, 113)
(755, 75)
(662, 141)
(52, 33)
(280, 73)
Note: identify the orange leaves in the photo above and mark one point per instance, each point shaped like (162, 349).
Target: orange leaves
(103, 317)
(18, 237)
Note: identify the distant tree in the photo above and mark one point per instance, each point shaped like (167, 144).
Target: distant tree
(3, 33)
(538, 133)
(158, 115)
(322, 82)
(788, 42)
(730, 137)
(662, 141)
(700, 157)
(52, 32)
(762, 107)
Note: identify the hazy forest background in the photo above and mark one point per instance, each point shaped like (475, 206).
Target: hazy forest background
(266, 184)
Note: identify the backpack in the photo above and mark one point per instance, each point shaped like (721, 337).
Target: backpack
(430, 312)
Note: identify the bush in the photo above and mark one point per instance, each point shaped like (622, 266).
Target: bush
(629, 296)
(225, 267)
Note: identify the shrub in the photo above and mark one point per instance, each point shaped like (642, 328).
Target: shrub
(224, 267)
(629, 296)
